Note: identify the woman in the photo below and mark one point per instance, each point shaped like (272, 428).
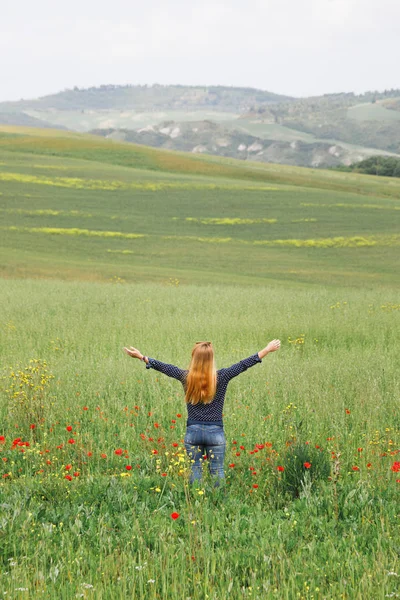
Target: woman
(205, 390)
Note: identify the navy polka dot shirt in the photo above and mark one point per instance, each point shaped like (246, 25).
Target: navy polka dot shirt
(211, 413)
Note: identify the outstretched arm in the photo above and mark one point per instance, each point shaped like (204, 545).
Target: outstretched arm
(245, 364)
(152, 363)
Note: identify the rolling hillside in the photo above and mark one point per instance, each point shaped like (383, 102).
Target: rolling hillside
(80, 207)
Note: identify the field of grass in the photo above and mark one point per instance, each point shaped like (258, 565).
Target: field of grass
(372, 112)
(331, 393)
(77, 207)
(159, 250)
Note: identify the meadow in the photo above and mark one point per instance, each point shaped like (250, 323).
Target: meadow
(106, 250)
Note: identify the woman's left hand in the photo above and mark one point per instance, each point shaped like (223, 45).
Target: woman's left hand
(133, 352)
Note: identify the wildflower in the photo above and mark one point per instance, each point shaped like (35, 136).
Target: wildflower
(68, 467)
(156, 425)
(178, 415)
(268, 444)
(395, 467)
(118, 451)
(33, 426)
(103, 455)
(69, 428)
(71, 441)
(359, 449)
(76, 474)
(85, 408)
(174, 516)
(163, 474)
(2, 439)
(355, 468)
(232, 465)
(237, 453)
(347, 411)
(68, 477)
(369, 465)
(155, 451)
(241, 447)
(128, 467)
(90, 453)
(307, 465)
(280, 468)
(255, 485)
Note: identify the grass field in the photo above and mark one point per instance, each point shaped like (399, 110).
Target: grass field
(160, 250)
(102, 210)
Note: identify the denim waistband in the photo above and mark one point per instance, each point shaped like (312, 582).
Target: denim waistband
(194, 422)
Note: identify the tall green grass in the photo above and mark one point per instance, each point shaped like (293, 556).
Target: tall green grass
(332, 391)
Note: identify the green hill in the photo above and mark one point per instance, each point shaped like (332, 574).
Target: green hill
(80, 207)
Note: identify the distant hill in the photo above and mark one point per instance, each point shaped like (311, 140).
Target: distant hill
(330, 130)
(24, 120)
(213, 138)
(150, 97)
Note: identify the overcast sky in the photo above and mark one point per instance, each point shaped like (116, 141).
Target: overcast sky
(294, 47)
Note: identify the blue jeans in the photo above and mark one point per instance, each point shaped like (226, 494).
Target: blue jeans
(201, 439)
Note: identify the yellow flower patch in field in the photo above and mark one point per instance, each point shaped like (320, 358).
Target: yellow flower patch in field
(76, 232)
(229, 221)
(110, 185)
(45, 212)
(347, 205)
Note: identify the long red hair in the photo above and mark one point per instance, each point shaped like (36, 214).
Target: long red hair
(201, 381)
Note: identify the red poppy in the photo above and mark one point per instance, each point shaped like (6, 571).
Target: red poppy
(178, 415)
(174, 516)
(307, 465)
(90, 453)
(369, 465)
(163, 474)
(69, 428)
(118, 451)
(2, 439)
(85, 408)
(68, 477)
(280, 468)
(103, 455)
(347, 411)
(232, 465)
(234, 442)
(128, 467)
(173, 421)
(395, 467)
(68, 467)
(76, 474)
(48, 462)
(175, 445)
(359, 449)
(241, 447)
(255, 485)
(33, 426)
(60, 446)
(237, 453)
(355, 468)
(71, 441)
(156, 425)
(155, 451)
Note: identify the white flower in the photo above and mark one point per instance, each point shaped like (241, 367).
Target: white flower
(151, 581)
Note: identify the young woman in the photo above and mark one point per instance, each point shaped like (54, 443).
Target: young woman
(205, 390)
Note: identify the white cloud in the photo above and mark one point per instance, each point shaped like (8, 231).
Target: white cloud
(287, 46)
